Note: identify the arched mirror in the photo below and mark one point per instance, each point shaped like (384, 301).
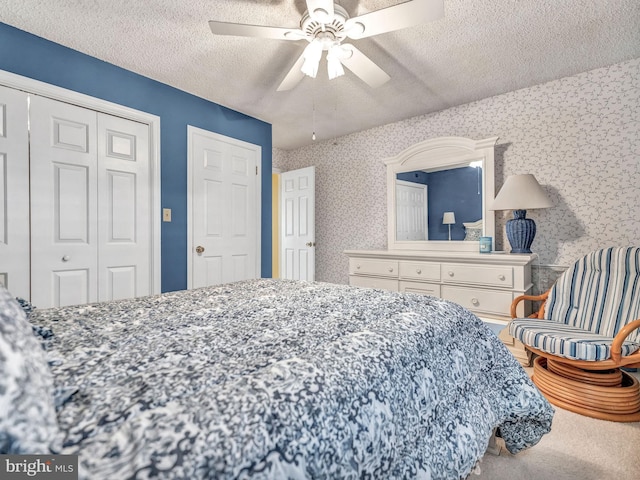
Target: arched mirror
(438, 192)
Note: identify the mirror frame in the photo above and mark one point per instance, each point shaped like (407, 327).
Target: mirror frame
(441, 153)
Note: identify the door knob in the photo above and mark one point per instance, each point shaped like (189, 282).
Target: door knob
(310, 244)
(199, 250)
(66, 258)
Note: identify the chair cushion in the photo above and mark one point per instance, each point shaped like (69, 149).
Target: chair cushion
(600, 293)
(564, 340)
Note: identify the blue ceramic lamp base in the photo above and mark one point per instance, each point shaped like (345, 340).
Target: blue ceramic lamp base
(521, 232)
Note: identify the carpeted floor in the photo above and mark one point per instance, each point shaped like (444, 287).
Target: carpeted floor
(577, 448)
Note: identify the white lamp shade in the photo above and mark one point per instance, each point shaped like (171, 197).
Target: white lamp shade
(449, 218)
(521, 192)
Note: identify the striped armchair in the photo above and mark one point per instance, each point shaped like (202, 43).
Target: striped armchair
(587, 329)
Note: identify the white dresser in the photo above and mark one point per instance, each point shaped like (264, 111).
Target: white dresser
(485, 283)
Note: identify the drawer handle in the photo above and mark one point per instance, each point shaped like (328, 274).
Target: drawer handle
(418, 271)
(450, 273)
(475, 301)
(390, 269)
(501, 277)
(358, 267)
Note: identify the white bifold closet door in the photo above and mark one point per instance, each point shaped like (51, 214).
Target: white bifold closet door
(89, 206)
(14, 192)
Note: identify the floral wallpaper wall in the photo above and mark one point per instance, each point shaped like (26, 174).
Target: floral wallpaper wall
(579, 135)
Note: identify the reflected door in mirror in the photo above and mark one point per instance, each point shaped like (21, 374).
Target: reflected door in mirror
(411, 214)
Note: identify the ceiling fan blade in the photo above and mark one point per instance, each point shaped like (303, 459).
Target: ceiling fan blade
(259, 31)
(321, 10)
(362, 66)
(399, 16)
(294, 76)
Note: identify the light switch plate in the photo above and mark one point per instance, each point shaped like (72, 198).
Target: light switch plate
(166, 214)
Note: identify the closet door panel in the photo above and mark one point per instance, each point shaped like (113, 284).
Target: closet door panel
(124, 209)
(71, 202)
(14, 192)
(64, 240)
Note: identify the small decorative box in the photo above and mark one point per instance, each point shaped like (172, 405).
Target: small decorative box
(485, 244)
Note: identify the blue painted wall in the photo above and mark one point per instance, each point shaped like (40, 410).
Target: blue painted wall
(456, 190)
(31, 56)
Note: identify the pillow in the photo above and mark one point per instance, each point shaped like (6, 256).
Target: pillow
(27, 416)
(473, 230)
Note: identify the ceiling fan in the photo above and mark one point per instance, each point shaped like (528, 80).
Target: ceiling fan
(325, 25)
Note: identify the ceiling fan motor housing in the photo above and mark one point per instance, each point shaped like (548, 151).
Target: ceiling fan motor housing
(334, 30)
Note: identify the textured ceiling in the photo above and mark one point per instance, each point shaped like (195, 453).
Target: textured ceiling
(479, 49)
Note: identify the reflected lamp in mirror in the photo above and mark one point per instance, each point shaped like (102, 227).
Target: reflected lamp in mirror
(521, 193)
(449, 218)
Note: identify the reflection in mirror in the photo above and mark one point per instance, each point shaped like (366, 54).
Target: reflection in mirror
(423, 197)
(452, 175)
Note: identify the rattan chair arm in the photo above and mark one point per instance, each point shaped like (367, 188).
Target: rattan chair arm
(618, 340)
(535, 298)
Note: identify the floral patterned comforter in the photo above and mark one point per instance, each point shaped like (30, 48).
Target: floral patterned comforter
(282, 379)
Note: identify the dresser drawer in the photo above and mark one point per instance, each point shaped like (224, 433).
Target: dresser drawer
(366, 266)
(424, 288)
(494, 276)
(479, 301)
(420, 271)
(373, 282)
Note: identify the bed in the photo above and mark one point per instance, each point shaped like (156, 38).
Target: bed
(264, 379)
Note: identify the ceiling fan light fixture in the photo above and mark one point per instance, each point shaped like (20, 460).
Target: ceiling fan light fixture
(334, 65)
(312, 54)
(310, 68)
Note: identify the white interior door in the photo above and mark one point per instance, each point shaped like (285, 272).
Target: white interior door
(224, 209)
(124, 209)
(14, 192)
(411, 211)
(297, 207)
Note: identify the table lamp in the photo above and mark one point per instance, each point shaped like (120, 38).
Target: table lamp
(521, 193)
(449, 218)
